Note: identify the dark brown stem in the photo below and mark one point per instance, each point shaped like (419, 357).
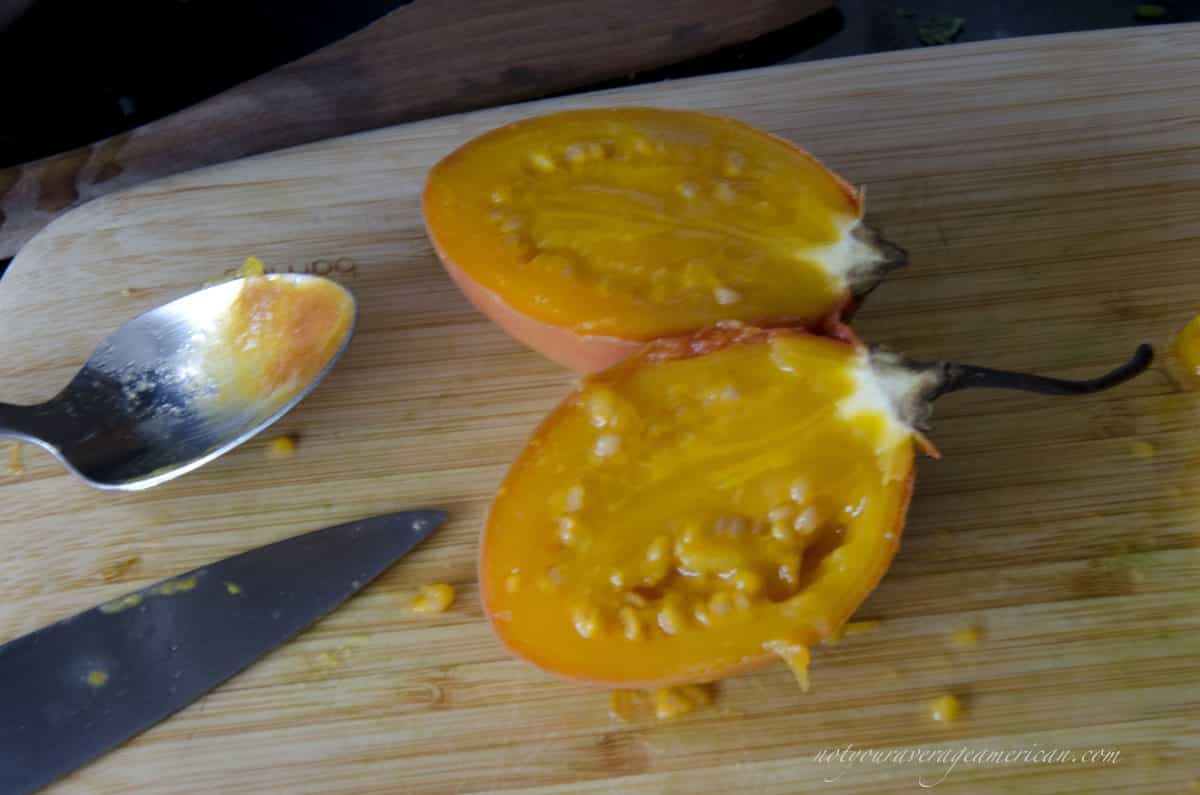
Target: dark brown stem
(966, 376)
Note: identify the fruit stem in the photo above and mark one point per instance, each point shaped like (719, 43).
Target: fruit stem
(957, 377)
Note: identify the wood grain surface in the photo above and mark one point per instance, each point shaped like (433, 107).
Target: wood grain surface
(1049, 192)
(424, 59)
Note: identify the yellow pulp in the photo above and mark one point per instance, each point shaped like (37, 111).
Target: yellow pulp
(1187, 350)
(945, 708)
(641, 223)
(852, 628)
(253, 266)
(283, 447)
(435, 598)
(16, 466)
(677, 518)
(666, 703)
(172, 587)
(277, 336)
(675, 702)
(967, 638)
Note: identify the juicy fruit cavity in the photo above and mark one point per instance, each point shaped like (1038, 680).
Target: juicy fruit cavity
(634, 224)
(714, 501)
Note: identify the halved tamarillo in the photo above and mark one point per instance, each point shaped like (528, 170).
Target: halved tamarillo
(587, 233)
(714, 501)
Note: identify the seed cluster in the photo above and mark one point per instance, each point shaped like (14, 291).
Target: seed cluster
(714, 183)
(703, 572)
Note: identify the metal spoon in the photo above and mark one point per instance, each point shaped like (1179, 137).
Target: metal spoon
(141, 412)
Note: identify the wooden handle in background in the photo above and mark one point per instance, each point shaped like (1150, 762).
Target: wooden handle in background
(424, 59)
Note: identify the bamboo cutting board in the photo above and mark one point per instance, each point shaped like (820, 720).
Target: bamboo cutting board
(1049, 192)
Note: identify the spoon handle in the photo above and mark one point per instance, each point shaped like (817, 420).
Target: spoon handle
(31, 423)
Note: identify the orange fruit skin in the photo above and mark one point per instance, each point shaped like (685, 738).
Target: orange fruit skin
(578, 352)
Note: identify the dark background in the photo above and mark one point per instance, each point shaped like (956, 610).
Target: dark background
(78, 71)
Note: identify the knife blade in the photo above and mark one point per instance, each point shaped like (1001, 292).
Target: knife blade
(82, 686)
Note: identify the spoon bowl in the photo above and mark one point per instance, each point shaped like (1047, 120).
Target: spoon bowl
(167, 392)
